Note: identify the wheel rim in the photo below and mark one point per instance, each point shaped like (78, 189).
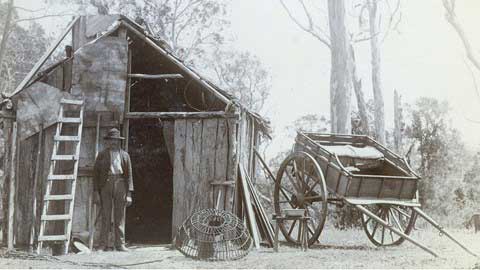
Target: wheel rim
(401, 218)
(300, 185)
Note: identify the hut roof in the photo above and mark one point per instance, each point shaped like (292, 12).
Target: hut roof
(99, 26)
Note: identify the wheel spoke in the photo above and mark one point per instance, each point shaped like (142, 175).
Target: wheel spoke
(375, 228)
(396, 221)
(402, 212)
(310, 189)
(298, 173)
(305, 182)
(392, 218)
(300, 186)
(383, 234)
(285, 190)
(292, 182)
(368, 219)
(317, 197)
(287, 201)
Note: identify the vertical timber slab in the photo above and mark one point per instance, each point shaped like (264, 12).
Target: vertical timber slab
(7, 133)
(11, 197)
(47, 154)
(198, 185)
(232, 164)
(179, 175)
(252, 221)
(27, 150)
(208, 160)
(81, 211)
(34, 189)
(199, 159)
(221, 157)
(238, 203)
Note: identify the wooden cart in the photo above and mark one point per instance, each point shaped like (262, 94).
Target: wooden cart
(355, 170)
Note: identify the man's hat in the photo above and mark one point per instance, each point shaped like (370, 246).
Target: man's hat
(114, 134)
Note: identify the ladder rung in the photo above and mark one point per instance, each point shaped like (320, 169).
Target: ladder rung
(52, 238)
(56, 217)
(63, 197)
(71, 120)
(61, 177)
(71, 101)
(63, 157)
(66, 138)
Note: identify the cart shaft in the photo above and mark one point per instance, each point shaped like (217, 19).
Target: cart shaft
(386, 225)
(438, 227)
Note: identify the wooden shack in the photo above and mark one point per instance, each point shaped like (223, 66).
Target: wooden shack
(186, 137)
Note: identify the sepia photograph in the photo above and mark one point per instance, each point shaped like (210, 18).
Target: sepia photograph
(239, 134)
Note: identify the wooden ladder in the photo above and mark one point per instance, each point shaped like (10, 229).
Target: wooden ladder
(68, 179)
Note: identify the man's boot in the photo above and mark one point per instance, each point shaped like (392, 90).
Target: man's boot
(122, 248)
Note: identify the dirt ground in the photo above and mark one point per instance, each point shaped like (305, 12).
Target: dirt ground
(339, 249)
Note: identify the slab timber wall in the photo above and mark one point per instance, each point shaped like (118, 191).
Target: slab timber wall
(25, 181)
(204, 166)
(100, 74)
(37, 105)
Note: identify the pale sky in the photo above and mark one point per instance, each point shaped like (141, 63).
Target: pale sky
(425, 59)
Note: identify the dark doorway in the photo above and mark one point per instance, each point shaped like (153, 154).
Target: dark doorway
(149, 219)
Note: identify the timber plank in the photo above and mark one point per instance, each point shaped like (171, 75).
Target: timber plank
(231, 163)
(207, 163)
(196, 177)
(27, 150)
(221, 161)
(179, 174)
(252, 222)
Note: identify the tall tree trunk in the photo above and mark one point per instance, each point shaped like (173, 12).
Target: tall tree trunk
(376, 73)
(357, 87)
(6, 33)
(340, 79)
(397, 114)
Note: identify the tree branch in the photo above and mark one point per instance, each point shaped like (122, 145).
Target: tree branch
(29, 10)
(6, 32)
(473, 79)
(309, 30)
(42, 17)
(452, 19)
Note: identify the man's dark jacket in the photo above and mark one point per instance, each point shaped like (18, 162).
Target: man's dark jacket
(102, 168)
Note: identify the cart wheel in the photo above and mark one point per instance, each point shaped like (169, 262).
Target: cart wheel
(400, 217)
(300, 185)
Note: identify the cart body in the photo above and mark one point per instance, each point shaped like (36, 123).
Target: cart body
(357, 167)
(350, 170)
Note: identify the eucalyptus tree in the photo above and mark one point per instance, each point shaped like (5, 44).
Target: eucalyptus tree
(340, 40)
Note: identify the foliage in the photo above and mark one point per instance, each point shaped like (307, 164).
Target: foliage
(309, 123)
(190, 27)
(243, 75)
(440, 157)
(25, 45)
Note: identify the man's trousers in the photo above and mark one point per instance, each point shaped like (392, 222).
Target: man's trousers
(113, 196)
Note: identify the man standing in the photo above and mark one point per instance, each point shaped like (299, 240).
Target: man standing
(113, 184)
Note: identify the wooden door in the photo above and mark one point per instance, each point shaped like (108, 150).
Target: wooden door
(204, 166)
